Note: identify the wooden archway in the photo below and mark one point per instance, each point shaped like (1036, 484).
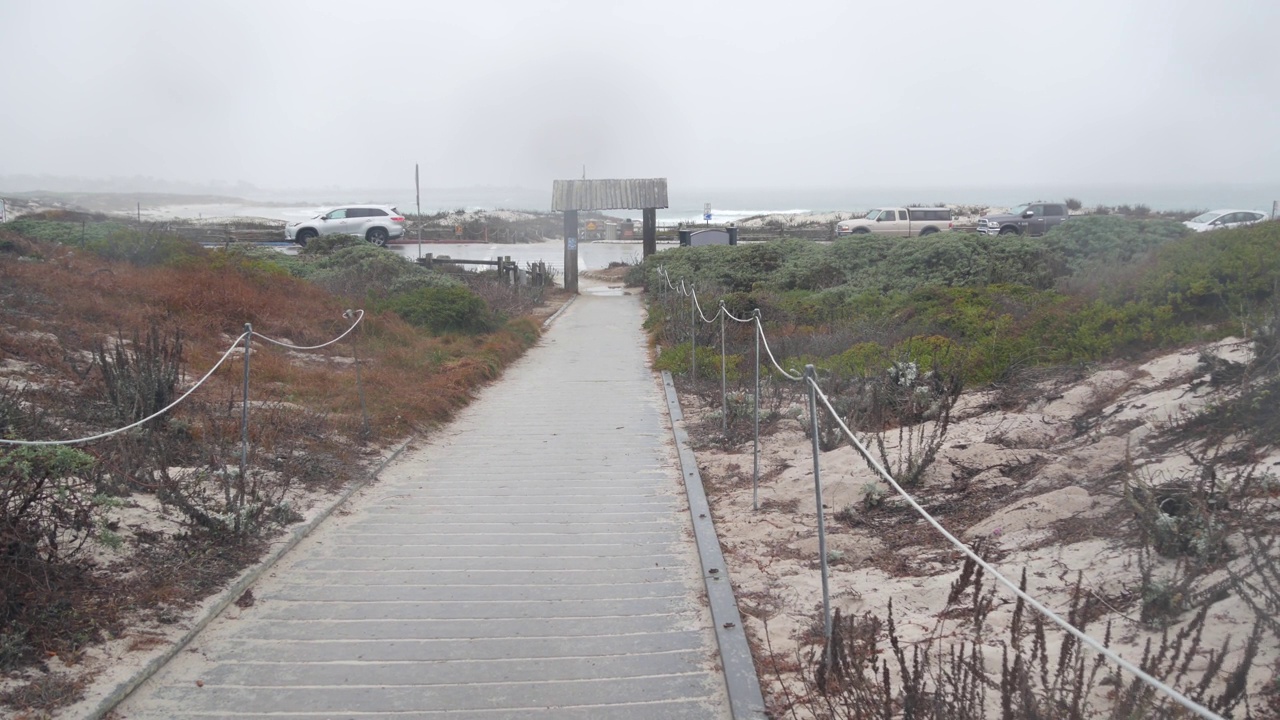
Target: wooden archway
(570, 196)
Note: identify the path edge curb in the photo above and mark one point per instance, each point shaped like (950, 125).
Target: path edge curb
(123, 689)
(743, 683)
(547, 323)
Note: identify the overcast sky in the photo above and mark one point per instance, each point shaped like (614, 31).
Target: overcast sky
(795, 93)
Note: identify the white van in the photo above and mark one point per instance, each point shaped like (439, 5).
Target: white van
(899, 222)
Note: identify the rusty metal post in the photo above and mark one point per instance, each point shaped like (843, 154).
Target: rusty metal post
(244, 431)
(755, 411)
(693, 337)
(724, 378)
(355, 355)
(811, 377)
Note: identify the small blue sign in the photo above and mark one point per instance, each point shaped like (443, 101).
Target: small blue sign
(707, 217)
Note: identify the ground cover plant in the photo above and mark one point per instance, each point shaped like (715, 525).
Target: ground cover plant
(1007, 303)
(1063, 345)
(112, 539)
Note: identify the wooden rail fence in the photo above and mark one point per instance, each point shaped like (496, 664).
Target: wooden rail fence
(534, 274)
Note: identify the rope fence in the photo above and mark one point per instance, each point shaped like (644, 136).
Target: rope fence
(815, 397)
(243, 343)
(238, 343)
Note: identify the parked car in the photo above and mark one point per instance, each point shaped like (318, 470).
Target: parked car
(1035, 218)
(375, 223)
(901, 222)
(1219, 219)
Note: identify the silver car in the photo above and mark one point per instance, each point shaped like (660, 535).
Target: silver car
(375, 223)
(1220, 219)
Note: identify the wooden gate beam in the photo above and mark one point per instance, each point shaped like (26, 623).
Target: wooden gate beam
(650, 230)
(571, 251)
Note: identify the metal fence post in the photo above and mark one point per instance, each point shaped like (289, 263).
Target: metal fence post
(755, 411)
(724, 375)
(244, 430)
(355, 355)
(811, 376)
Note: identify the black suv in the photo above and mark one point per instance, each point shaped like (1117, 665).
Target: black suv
(1031, 219)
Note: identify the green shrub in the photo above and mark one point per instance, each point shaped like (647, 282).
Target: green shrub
(146, 248)
(327, 244)
(675, 360)
(365, 270)
(251, 259)
(861, 360)
(959, 259)
(1123, 286)
(1213, 275)
(444, 309)
(854, 265)
(68, 233)
(1100, 241)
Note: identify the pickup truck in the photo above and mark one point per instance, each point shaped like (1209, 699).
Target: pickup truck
(1030, 219)
(899, 222)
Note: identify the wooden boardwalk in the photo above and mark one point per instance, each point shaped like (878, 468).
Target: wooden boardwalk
(534, 560)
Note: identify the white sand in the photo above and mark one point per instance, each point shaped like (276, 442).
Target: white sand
(773, 553)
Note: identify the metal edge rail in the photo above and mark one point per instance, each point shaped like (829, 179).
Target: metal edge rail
(745, 697)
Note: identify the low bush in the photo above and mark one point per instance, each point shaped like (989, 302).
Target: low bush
(67, 233)
(328, 244)
(1090, 243)
(141, 377)
(443, 309)
(858, 264)
(147, 248)
(14, 244)
(1216, 275)
(868, 670)
(46, 515)
(362, 270)
(675, 360)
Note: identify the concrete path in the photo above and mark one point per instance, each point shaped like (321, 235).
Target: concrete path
(533, 561)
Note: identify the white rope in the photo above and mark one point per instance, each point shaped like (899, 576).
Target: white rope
(192, 389)
(765, 341)
(731, 315)
(1079, 634)
(346, 314)
(663, 272)
(703, 315)
(158, 413)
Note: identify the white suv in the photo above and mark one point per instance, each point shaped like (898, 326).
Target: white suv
(375, 223)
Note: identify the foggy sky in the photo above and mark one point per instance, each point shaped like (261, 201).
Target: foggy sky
(294, 94)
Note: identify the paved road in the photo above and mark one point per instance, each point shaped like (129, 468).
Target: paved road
(533, 561)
